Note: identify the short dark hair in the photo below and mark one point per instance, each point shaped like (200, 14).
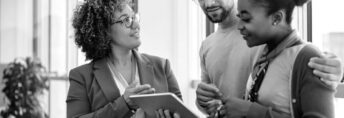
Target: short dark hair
(275, 5)
(91, 21)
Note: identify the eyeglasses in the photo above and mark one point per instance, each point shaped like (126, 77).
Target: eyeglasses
(128, 21)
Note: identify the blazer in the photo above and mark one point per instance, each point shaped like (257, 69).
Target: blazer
(94, 94)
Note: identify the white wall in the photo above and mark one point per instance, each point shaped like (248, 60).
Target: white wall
(16, 33)
(158, 33)
(327, 18)
(157, 28)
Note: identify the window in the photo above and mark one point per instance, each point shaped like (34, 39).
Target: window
(328, 35)
(328, 26)
(197, 33)
(41, 28)
(16, 34)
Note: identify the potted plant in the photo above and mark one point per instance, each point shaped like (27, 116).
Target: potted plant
(24, 79)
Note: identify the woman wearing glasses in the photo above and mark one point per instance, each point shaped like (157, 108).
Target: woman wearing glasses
(108, 32)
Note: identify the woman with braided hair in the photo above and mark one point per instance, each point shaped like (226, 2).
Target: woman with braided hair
(281, 84)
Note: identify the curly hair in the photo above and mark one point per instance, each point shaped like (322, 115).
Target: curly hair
(91, 20)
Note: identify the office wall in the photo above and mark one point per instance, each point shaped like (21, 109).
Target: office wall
(157, 27)
(167, 31)
(16, 34)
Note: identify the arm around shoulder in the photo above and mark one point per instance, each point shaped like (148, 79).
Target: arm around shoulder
(313, 97)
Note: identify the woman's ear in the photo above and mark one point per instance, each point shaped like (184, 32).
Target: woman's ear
(107, 30)
(277, 17)
(108, 33)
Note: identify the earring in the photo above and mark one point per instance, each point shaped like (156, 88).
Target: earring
(275, 23)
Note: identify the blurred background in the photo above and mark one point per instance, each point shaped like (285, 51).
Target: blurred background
(172, 29)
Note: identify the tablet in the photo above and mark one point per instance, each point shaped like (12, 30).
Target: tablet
(152, 102)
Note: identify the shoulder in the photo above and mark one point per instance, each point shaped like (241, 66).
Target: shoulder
(83, 68)
(209, 40)
(307, 52)
(299, 55)
(210, 37)
(156, 61)
(301, 70)
(80, 72)
(153, 58)
(310, 50)
(208, 43)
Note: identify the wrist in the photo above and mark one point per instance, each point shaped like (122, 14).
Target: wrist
(237, 107)
(129, 103)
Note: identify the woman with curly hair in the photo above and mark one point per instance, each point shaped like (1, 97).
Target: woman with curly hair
(108, 33)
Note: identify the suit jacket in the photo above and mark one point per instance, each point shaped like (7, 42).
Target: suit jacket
(94, 94)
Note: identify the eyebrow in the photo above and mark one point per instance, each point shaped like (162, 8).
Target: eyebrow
(123, 15)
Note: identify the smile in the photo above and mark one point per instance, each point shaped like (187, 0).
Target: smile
(244, 34)
(245, 37)
(212, 9)
(136, 35)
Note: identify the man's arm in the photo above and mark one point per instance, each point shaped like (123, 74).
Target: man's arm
(329, 68)
(204, 77)
(205, 92)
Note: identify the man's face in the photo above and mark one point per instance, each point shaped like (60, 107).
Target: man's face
(216, 10)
